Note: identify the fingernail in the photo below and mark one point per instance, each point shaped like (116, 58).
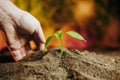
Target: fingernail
(23, 52)
(16, 55)
(42, 46)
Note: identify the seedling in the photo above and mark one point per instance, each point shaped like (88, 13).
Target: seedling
(59, 34)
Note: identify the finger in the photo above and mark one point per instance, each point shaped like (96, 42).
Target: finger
(31, 25)
(40, 34)
(38, 38)
(14, 44)
(23, 51)
(18, 54)
(41, 46)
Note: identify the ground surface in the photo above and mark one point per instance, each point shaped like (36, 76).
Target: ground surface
(72, 65)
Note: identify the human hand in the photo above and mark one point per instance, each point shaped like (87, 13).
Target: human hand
(20, 27)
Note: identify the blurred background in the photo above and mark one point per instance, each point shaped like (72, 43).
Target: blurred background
(98, 21)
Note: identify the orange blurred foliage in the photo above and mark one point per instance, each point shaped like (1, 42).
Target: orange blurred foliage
(2, 40)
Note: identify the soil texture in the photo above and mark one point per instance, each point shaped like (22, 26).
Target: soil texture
(69, 65)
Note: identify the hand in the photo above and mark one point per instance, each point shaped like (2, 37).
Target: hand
(20, 27)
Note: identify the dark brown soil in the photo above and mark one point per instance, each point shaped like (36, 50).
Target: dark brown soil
(72, 65)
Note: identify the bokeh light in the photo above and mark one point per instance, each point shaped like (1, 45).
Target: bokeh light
(84, 9)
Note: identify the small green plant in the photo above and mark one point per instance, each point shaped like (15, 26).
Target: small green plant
(58, 35)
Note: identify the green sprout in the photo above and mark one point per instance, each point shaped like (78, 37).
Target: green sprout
(59, 34)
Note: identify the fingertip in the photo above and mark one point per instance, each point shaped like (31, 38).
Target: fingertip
(42, 46)
(23, 52)
(39, 35)
(16, 55)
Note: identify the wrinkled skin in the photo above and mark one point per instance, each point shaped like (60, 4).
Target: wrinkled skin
(20, 27)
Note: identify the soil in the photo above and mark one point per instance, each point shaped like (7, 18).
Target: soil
(69, 65)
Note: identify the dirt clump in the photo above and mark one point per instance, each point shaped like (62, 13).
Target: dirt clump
(71, 65)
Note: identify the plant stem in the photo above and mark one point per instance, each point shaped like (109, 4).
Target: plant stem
(61, 46)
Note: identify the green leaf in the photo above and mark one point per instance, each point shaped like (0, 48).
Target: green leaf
(48, 41)
(58, 35)
(75, 35)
